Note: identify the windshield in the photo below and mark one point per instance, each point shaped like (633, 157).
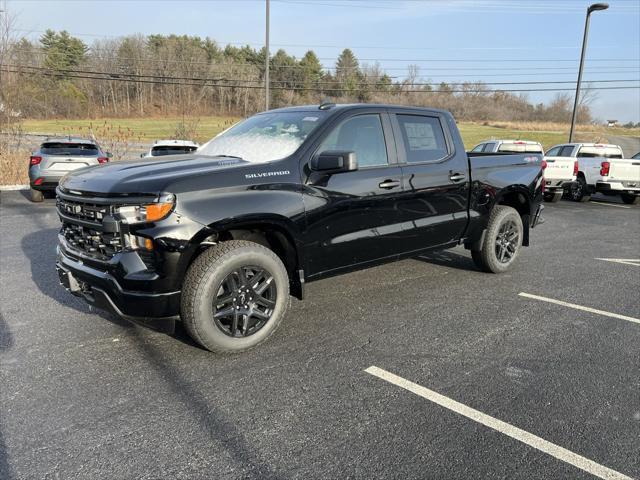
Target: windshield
(171, 150)
(636, 156)
(65, 148)
(265, 137)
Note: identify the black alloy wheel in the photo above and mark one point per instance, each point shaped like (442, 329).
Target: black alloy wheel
(507, 241)
(245, 301)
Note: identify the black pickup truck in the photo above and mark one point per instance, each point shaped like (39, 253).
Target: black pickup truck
(221, 237)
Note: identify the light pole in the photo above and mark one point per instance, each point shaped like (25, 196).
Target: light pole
(592, 8)
(266, 62)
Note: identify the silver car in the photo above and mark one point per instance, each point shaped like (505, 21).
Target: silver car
(56, 157)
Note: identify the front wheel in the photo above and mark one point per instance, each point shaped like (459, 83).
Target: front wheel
(234, 296)
(502, 241)
(552, 197)
(579, 191)
(630, 198)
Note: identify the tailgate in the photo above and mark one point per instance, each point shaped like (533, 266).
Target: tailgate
(625, 170)
(559, 168)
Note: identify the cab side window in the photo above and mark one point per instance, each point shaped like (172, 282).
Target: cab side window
(362, 134)
(553, 152)
(423, 138)
(566, 151)
(488, 147)
(478, 148)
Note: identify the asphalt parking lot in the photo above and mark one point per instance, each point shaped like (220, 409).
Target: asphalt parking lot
(471, 378)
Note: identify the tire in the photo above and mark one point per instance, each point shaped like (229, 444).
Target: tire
(36, 195)
(552, 197)
(630, 198)
(579, 191)
(503, 237)
(215, 274)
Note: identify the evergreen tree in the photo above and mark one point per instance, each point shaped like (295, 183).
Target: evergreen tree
(62, 51)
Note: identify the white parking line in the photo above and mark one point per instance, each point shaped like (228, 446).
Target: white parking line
(609, 204)
(514, 432)
(626, 261)
(580, 307)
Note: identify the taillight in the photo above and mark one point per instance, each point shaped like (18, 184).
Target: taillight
(575, 168)
(544, 164)
(103, 159)
(38, 181)
(34, 160)
(604, 170)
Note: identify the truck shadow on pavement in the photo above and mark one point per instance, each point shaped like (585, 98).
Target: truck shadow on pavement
(449, 259)
(223, 432)
(6, 342)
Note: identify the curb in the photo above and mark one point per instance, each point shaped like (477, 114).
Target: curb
(9, 188)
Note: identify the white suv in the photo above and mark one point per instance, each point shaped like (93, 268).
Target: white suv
(171, 147)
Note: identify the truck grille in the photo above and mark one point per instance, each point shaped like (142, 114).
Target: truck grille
(90, 212)
(87, 236)
(94, 243)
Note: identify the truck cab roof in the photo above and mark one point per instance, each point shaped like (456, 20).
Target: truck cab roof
(340, 107)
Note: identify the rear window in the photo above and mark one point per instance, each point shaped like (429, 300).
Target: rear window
(423, 138)
(520, 148)
(65, 148)
(600, 152)
(172, 150)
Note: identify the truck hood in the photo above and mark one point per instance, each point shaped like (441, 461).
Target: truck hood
(144, 176)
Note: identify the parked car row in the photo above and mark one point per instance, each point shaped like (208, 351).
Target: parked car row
(57, 156)
(580, 169)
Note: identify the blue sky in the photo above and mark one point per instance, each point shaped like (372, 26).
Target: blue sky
(456, 40)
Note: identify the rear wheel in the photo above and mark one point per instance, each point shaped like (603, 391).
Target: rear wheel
(552, 197)
(579, 191)
(36, 195)
(502, 241)
(234, 296)
(630, 198)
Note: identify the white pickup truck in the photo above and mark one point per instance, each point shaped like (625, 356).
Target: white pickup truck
(561, 171)
(597, 168)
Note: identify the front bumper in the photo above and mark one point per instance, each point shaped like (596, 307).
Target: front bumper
(102, 290)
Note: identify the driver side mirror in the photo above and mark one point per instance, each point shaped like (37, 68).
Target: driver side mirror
(334, 161)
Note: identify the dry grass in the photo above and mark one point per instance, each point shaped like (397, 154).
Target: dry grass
(14, 167)
(563, 128)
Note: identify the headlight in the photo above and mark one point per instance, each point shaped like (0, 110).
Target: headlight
(150, 212)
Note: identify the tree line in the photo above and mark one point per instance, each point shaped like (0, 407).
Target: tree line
(60, 76)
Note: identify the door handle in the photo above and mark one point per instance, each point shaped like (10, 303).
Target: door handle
(389, 184)
(456, 177)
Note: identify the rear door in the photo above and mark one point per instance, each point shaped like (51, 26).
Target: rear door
(434, 203)
(351, 216)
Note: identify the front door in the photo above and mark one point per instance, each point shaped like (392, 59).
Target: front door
(351, 215)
